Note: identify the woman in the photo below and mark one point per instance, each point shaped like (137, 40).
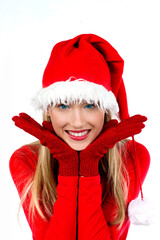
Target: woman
(78, 180)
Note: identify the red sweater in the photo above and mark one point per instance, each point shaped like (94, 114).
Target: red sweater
(78, 196)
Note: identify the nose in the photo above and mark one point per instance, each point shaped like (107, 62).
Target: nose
(77, 119)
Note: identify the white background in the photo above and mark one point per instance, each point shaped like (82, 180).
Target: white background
(28, 31)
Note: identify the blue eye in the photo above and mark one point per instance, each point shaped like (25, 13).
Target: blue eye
(89, 106)
(63, 106)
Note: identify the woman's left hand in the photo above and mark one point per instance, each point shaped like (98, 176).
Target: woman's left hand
(112, 133)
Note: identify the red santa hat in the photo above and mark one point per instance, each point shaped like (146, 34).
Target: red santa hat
(87, 68)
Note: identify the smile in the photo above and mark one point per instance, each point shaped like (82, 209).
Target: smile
(78, 135)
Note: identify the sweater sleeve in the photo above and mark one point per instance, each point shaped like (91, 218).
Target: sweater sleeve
(109, 205)
(62, 225)
(94, 217)
(143, 159)
(91, 221)
(109, 209)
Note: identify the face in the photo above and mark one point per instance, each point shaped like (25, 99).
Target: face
(77, 124)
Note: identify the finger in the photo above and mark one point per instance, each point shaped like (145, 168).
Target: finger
(30, 119)
(128, 132)
(130, 128)
(140, 118)
(19, 122)
(48, 125)
(133, 122)
(15, 118)
(136, 118)
(28, 127)
(111, 123)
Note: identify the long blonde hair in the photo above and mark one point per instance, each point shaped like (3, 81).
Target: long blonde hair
(43, 185)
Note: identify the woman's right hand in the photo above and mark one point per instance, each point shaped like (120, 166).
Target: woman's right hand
(66, 156)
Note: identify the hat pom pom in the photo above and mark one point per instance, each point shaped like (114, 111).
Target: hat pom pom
(139, 212)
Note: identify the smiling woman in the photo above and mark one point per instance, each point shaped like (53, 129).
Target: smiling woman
(84, 133)
(77, 124)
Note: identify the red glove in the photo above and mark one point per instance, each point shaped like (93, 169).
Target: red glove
(66, 156)
(112, 133)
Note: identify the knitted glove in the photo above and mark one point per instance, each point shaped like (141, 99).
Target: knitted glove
(112, 133)
(66, 156)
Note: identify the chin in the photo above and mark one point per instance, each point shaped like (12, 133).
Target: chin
(78, 148)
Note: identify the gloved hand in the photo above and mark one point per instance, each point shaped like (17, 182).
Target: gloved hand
(112, 133)
(66, 156)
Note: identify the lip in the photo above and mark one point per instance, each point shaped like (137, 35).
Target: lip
(78, 131)
(78, 138)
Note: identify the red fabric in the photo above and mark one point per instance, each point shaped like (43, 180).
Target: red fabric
(91, 220)
(93, 216)
(92, 58)
(109, 136)
(112, 133)
(66, 156)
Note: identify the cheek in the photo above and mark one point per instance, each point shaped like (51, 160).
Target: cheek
(97, 121)
(58, 121)
(100, 124)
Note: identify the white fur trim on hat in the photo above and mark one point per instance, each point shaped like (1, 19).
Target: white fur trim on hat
(78, 90)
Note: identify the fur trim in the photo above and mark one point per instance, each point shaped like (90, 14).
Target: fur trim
(72, 91)
(140, 212)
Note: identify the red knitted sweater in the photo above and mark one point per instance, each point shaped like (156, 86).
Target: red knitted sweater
(78, 212)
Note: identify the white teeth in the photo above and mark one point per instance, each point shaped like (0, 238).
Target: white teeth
(78, 134)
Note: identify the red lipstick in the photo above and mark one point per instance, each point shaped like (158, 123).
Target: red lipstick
(78, 138)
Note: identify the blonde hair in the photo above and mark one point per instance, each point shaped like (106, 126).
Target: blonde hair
(43, 185)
